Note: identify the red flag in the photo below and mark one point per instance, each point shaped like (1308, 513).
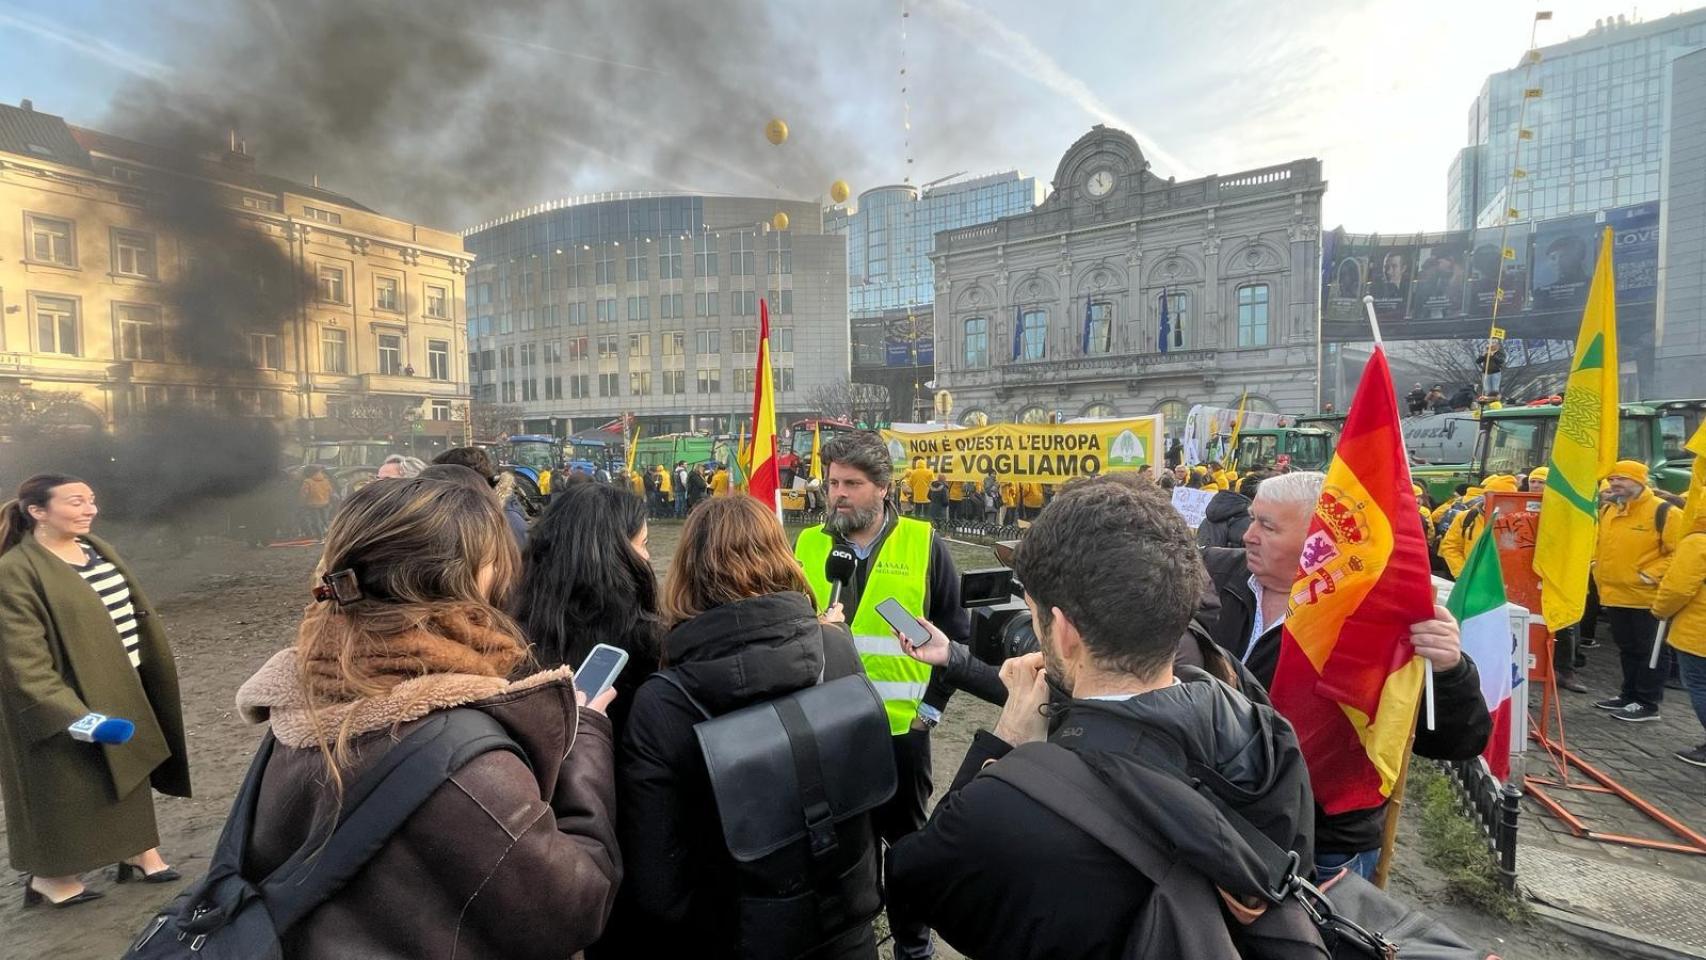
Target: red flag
(765, 482)
(1348, 679)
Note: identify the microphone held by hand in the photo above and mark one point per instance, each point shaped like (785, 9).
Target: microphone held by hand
(100, 728)
(838, 569)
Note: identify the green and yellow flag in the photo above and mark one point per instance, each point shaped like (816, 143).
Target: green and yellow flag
(1583, 449)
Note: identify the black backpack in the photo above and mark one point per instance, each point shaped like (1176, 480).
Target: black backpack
(795, 779)
(225, 916)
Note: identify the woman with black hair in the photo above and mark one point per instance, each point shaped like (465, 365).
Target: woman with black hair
(587, 579)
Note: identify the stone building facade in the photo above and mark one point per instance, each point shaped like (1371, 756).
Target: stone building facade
(1059, 312)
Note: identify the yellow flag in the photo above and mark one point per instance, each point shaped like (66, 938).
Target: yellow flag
(1697, 481)
(817, 442)
(1237, 425)
(633, 448)
(1584, 447)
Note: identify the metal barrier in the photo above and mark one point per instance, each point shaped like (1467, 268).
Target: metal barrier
(1494, 808)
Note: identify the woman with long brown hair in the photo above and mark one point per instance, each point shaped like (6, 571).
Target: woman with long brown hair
(743, 630)
(89, 711)
(508, 858)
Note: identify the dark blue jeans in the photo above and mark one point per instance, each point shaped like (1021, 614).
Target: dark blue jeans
(1362, 864)
(1693, 669)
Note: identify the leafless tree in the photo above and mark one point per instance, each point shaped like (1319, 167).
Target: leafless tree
(27, 412)
(492, 420)
(854, 402)
(1533, 368)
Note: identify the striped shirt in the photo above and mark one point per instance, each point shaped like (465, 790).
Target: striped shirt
(101, 575)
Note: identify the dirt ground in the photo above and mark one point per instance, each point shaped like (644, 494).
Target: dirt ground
(227, 607)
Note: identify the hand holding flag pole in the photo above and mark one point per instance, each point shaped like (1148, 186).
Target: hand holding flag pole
(1428, 665)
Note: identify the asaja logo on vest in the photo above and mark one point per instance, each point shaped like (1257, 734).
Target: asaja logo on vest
(893, 568)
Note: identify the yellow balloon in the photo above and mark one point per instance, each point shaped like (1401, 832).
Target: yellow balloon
(779, 221)
(776, 131)
(839, 191)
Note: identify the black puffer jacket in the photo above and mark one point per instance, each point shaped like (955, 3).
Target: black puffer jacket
(678, 891)
(999, 876)
(1225, 520)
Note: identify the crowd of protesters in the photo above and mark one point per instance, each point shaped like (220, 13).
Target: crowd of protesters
(609, 823)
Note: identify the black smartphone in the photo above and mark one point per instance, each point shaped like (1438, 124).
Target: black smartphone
(904, 623)
(600, 669)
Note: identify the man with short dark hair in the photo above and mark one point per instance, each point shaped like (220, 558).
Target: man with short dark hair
(479, 461)
(1111, 577)
(895, 558)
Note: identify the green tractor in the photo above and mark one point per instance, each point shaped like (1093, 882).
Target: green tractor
(1304, 448)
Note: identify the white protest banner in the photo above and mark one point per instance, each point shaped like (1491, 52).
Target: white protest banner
(1192, 504)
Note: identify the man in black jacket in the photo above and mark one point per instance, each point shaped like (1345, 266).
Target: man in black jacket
(1112, 579)
(1253, 586)
(1228, 515)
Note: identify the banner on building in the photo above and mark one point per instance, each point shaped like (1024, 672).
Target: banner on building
(1031, 452)
(1489, 249)
(1441, 277)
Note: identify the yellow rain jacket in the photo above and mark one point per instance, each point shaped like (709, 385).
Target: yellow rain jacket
(1633, 556)
(1681, 597)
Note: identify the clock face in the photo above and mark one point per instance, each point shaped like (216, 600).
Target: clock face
(1100, 183)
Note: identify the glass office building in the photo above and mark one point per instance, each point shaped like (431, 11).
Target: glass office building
(1597, 127)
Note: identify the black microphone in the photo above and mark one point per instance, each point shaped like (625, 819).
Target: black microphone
(838, 569)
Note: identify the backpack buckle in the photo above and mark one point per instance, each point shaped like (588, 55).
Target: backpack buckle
(820, 828)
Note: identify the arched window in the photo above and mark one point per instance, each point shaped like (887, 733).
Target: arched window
(1099, 328)
(1260, 405)
(977, 342)
(1100, 411)
(1173, 413)
(974, 418)
(1033, 334)
(1179, 329)
(1032, 414)
(1253, 315)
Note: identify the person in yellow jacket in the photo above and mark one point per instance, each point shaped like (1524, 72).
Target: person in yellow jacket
(1681, 599)
(1636, 541)
(917, 482)
(720, 481)
(1031, 495)
(665, 487)
(1009, 501)
(1461, 494)
(956, 499)
(637, 483)
(1455, 542)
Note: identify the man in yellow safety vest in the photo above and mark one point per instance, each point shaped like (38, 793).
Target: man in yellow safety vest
(899, 558)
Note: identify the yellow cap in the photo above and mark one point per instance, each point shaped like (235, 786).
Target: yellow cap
(1500, 484)
(1630, 469)
(1539, 473)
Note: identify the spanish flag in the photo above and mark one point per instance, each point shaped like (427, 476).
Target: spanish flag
(1348, 679)
(764, 480)
(1584, 447)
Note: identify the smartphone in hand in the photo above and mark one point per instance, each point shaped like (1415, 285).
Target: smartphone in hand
(600, 669)
(903, 623)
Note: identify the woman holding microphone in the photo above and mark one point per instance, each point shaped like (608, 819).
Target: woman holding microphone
(89, 711)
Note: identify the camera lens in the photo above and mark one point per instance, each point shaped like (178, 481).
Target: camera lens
(1019, 635)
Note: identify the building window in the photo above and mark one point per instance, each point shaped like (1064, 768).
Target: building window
(606, 264)
(529, 390)
(784, 379)
(1178, 311)
(441, 409)
(707, 343)
(705, 257)
(52, 240)
(741, 257)
(133, 254)
(608, 349)
(637, 263)
(385, 294)
(332, 284)
(1253, 315)
(782, 339)
(324, 216)
(974, 418)
(610, 384)
(1099, 329)
(745, 302)
(639, 308)
(705, 304)
(580, 387)
(390, 354)
(745, 340)
(577, 348)
(639, 345)
(438, 359)
(437, 301)
(334, 350)
(57, 326)
(1100, 411)
(669, 306)
(977, 342)
(710, 381)
(779, 254)
(1033, 335)
(674, 382)
(674, 343)
(640, 383)
(577, 314)
(266, 351)
(139, 333)
(607, 311)
(744, 377)
(669, 259)
(529, 319)
(781, 301)
(266, 204)
(1032, 414)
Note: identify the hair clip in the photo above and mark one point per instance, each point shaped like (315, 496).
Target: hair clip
(340, 585)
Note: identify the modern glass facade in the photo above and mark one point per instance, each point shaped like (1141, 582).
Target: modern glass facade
(1597, 131)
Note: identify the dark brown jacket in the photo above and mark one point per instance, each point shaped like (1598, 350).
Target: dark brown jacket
(502, 862)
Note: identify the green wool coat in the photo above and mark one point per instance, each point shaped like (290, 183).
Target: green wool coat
(73, 806)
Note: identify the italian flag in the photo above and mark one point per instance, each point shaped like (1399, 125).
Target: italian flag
(1478, 602)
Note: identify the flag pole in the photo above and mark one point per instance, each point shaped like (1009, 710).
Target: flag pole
(1394, 812)
(1427, 665)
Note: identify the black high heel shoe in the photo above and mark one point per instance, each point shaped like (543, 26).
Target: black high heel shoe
(35, 898)
(130, 871)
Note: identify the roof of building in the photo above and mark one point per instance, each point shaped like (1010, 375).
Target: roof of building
(42, 136)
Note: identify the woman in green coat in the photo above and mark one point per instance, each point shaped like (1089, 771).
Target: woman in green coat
(89, 711)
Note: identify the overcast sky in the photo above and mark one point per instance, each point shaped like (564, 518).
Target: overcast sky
(1378, 89)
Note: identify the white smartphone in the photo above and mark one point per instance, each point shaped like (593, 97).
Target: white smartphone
(600, 669)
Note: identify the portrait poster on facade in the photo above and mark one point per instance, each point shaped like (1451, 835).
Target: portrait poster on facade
(1485, 255)
(1380, 266)
(1563, 255)
(1031, 452)
(1441, 277)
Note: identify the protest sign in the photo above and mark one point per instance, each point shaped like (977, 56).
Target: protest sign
(1030, 452)
(1192, 504)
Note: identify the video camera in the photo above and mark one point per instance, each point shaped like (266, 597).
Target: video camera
(1001, 625)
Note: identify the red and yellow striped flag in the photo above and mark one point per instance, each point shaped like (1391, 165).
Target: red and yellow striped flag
(765, 480)
(1348, 679)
